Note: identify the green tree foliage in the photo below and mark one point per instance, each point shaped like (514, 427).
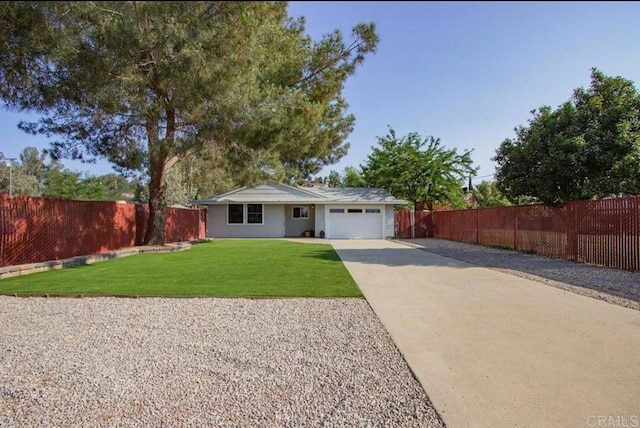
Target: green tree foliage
(23, 184)
(92, 188)
(352, 177)
(62, 183)
(209, 172)
(148, 84)
(141, 191)
(589, 147)
(34, 176)
(14, 175)
(418, 170)
(177, 189)
(65, 184)
(117, 187)
(334, 179)
(487, 194)
(27, 175)
(34, 164)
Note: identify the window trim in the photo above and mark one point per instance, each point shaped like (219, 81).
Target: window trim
(228, 216)
(293, 208)
(261, 215)
(245, 215)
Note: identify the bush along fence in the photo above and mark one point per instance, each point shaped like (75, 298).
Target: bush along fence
(603, 232)
(42, 229)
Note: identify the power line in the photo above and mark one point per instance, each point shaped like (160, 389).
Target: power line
(482, 176)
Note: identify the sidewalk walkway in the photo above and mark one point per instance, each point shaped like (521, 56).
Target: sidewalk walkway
(493, 349)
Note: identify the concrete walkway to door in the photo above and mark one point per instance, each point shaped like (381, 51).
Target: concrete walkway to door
(493, 349)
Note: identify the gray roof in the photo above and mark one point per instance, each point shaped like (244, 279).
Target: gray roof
(357, 194)
(274, 193)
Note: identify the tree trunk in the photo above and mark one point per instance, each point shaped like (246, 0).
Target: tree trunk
(157, 187)
(157, 210)
(159, 162)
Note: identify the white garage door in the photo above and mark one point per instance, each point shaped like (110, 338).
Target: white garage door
(354, 222)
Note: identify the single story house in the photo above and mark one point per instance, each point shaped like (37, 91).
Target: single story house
(274, 210)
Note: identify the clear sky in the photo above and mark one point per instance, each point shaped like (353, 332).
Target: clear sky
(465, 72)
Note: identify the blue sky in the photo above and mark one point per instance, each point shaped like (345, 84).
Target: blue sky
(465, 72)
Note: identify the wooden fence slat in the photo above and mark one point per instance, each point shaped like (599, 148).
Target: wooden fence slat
(602, 232)
(41, 229)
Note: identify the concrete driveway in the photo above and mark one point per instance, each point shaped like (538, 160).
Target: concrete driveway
(493, 349)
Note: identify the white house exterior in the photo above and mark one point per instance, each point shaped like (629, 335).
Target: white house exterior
(273, 210)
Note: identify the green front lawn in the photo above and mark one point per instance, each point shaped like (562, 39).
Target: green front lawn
(222, 268)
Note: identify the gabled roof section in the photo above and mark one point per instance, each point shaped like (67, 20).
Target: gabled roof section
(275, 193)
(358, 195)
(269, 192)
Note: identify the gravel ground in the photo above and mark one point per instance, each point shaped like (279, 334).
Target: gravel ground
(202, 362)
(612, 285)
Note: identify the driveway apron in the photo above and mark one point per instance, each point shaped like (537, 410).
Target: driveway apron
(493, 349)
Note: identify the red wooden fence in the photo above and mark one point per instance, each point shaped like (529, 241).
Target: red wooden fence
(40, 229)
(603, 232)
(413, 224)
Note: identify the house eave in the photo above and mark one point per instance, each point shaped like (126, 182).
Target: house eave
(294, 202)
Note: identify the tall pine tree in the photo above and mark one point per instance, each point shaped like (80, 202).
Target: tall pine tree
(146, 84)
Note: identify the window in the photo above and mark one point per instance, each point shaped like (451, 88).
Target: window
(254, 213)
(336, 210)
(236, 214)
(355, 210)
(372, 211)
(300, 212)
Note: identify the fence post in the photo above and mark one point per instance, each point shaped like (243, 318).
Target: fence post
(412, 216)
(515, 229)
(3, 229)
(477, 227)
(572, 232)
(203, 224)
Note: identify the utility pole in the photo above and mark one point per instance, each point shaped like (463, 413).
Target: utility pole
(10, 165)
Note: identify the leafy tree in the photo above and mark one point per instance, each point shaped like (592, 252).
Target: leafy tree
(211, 171)
(33, 164)
(352, 177)
(35, 177)
(117, 187)
(177, 191)
(14, 175)
(148, 84)
(26, 176)
(418, 170)
(589, 147)
(208, 173)
(334, 179)
(62, 183)
(487, 194)
(23, 184)
(141, 191)
(91, 188)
